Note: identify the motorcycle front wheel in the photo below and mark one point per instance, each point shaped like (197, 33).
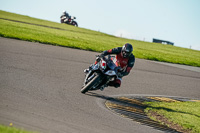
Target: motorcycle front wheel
(90, 84)
(74, 24)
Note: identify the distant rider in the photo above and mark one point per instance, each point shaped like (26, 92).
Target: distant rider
(126, 60)
(64, 17)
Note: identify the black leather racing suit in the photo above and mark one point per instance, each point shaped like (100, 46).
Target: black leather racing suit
(125, 63)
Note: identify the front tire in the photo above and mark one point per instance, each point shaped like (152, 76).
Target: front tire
(90, 84)
(75, 24)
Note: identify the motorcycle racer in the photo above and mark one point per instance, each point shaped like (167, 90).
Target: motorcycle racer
(64, 15)
(126, 60)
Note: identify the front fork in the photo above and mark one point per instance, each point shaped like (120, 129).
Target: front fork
(90, 75)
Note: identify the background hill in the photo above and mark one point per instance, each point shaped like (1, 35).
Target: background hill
(37, 30)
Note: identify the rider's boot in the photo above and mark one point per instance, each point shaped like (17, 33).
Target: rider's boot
(116, 83)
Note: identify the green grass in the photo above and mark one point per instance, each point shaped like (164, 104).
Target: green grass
(186, 114)
(80, 38)
(6, 129)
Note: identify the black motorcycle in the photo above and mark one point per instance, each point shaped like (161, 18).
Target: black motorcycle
(69, 21)
(104, 70)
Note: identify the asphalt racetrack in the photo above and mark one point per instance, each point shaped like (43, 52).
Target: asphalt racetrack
(40, 89)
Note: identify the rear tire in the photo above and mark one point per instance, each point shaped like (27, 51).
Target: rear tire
(90, 84)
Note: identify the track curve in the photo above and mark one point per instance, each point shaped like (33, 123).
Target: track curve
(40, 89)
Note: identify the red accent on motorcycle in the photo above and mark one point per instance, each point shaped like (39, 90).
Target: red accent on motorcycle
(103, 64)
(117, 63)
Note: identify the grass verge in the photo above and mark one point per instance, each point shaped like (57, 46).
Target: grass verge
(6, 129)
(36, 30)
(182, 116)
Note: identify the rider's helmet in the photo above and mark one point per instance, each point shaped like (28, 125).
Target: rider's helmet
(127, 49)
(64, 12)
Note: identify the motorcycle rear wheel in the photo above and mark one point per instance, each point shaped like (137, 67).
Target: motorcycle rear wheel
(90, 84)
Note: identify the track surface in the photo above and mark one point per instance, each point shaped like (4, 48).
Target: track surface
(40, 89)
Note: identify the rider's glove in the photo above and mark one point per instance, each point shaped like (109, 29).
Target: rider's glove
(98, 57)
(101, 55)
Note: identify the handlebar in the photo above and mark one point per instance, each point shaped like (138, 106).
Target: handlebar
(117, 69)
(108, 59)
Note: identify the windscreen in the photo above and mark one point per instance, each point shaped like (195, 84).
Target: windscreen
(111, 64)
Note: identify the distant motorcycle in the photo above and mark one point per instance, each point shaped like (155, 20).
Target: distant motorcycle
(69, 21)
(101, 73)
